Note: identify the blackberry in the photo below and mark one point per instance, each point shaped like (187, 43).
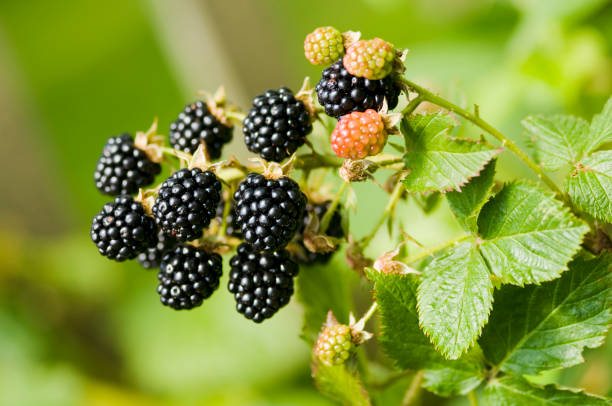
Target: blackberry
(186, 203)
(122, 168)
(196, 124)
(262, 282)
(188, 275)
(341, 93)
(276, 125)
(334, 229)
(151, 258)
(122, 230)
(269, 211)
(334, 344)
(231, 229)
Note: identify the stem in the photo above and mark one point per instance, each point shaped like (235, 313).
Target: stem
(391, 379)
(472, 398)
(370, 312)
(395, 195)
(436, 249)
(414, 103)
(414, 389)
(332, 209)
(311, 161)
(475, 119)
(390, 162)
(226, 210)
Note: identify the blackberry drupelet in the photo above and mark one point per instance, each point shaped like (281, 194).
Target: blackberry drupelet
(334, 344)
(122, 230)
(276, 125)
(151, 258)
(262, 282)
(122, 168)
(232, 229)
(186, 203)
(188, 275)
(340, 92)
(334, 229)
(269, 211)
(196, 124)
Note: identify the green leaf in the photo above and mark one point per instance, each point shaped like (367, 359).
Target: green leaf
(321, 288)
(558, 140)
(337, 382)
(514, 390)
(528, 235)
(466, 204)
(405, 343)
(601, 127)
(401, 338)
(438, 162)
(590, 185)
(454, 299)
(453, 378)
(539, 328)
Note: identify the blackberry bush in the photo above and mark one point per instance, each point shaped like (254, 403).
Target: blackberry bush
(123, 168)
(341, 93)
(122, 230)
(262, 282)
(186, 203)
(196, 124)
(188, 275)
(269, 211)
(304, 255)
(277, 125)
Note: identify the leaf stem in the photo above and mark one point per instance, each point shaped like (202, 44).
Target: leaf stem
(472, 398)
(332, 209)
(414, 389)
(393, 199)
(370, 312)
(412, 105)
(475, 119)
(436, 249)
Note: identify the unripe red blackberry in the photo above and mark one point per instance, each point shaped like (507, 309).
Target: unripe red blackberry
(196, 124)
(232, 229)
(323, 46)
(151, 258)
(277, 125)
(334, 344)
(370, 59)
(123, 168)
(340, 93)
(334, 229)
(358, 135)
(269, 211)
(122, 230)
(188, 275)
(262, 282)
(186, 203)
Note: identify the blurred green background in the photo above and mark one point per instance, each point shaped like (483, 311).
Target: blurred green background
(76, 329)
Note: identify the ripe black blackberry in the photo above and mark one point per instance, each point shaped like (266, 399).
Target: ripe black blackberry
(262, 282)
(276, 125)
(196, 124)
(151, 258)
(122, 168)
(334, 229)
(269, 211)
(186, 203)
(188, 275)
(122, 230)
(232, 229)
(341, 93)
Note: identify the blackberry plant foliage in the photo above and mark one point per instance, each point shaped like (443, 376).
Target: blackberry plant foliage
(525, 289)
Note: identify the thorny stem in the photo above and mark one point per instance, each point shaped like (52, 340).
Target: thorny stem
(393, 199)
(412, 105)
(475, 119)
(472, 398)
(370, 312)
(414, 389)
(332, 209)
(436, 249)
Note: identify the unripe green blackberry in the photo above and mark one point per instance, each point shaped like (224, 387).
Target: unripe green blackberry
(123, 168)
(334, 344)
(323, 46)
(186, 203)
(188, 275)
(122, 230)
(370, 59)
